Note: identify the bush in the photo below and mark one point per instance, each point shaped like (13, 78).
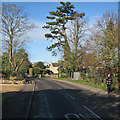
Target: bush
(83, 75)
(95, 80)
(64, 76)
(36, 70)
(7, 73)
(22, 73)
(18, 75)
(89, 76)
(14, 74)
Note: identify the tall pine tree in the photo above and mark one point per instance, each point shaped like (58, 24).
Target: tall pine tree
(57, 27)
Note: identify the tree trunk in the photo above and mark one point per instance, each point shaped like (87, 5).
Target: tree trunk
(10, 52)
(17, 68)
(119, 48)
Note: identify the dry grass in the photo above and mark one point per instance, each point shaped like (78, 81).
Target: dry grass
(11, 87)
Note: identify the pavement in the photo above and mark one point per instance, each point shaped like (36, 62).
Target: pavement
(19, 103)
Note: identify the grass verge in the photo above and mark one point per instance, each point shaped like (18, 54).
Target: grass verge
(101, 86)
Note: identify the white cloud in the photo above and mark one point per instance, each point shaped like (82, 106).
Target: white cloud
(37, 34)
(93, 19)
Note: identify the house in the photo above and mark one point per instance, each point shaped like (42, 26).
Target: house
(53, 67)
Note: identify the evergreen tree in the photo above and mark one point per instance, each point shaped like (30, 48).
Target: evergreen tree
(57, 27)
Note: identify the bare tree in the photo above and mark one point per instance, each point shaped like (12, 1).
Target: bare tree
(77, 32)
(14, 26)
(105, 37)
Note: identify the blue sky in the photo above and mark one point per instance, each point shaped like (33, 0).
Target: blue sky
(37, 14)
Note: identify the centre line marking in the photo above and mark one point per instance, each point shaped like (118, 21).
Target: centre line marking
(92, 112)
(69, 95)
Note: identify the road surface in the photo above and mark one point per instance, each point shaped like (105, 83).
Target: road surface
(59, 99)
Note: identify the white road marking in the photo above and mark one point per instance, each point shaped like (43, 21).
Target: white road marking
(68, 115)
(81, 115)
(92, 112)
(68, 95)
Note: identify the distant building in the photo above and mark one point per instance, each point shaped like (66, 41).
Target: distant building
(53, 67)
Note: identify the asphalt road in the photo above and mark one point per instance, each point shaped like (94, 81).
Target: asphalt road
(57, 99)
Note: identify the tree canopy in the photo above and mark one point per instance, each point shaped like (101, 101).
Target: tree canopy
(15, 24)
(39, 64)
(58, 30)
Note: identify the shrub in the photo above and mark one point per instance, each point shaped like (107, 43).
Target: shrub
(14, 74)
(36, 70)
(17, 74)
(83, 75)
(7, 73)
(95, 80)
(89, 76)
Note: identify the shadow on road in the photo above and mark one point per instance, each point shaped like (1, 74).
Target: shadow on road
(17, 104)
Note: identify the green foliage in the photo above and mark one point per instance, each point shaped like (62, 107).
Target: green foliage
(18, 74)
(105, 36)
(15, 24)
(7, 73)
(39, 64)
(83, 75)
(26, 63)
(89, 76)
(19, 71)
(46, 71)
(85, 83)
(50, 17)
(14, 74)
(5, 62)
(60, 17)
(96, 79)
(48, 35)
(36, 70)
(58, 31)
